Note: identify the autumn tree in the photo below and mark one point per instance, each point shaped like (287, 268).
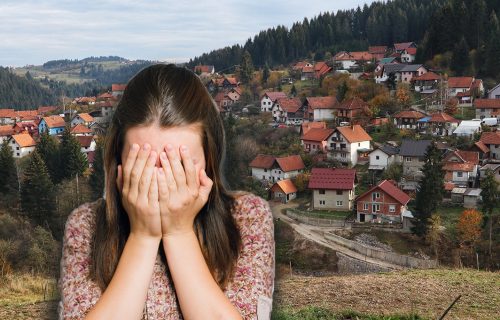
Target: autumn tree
(469, 227)
(451, 106)
(434, 232)
(403, 95)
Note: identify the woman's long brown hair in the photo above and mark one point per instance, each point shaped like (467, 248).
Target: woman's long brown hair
(170, 96)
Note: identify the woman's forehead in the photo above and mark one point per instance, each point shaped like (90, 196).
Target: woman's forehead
(159, 137)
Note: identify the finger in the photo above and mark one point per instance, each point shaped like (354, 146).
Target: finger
(147, 173)
(177, 169)
(167, 170)
(136, 173)
(189, 169)
(206, 185)
(153, 187)
(163, 193)
(129, 164)
(119, 179)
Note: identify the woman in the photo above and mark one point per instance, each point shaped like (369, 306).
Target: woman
(169, 240)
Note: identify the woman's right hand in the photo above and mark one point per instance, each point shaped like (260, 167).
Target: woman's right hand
(137, 183)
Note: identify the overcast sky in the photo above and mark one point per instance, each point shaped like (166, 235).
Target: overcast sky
(35, 31)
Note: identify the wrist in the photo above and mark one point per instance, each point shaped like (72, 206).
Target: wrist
(146, 240)
(178, 234)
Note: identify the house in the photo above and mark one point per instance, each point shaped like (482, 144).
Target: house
(87, 143)
(204, 69)
(408, 119)
(27, 115)
(288, 110)
(468, 128)
(81, 130)
(234, 94)
(349, 109)
(412, 155)
(321, 69)
(29, 127)
(7, 116)
(382, 203)
(223, 100)
(495, 169)
(377, 52)
(411, 71)
(271, 168)
(84, 101)
(408, 55)
(492, 141)
(383, 156)
(307, 73)
(5, 132)
(106, 96)
(495, 92)
(117, 89)
(230, 83)
(316, 139)
(400, 47)
(301, 65)
(284, 190)
(472, 196)
(440, 124)
(107, 109)
(320, 108)
(53, 124)
(458, 85)
(350, 60)
(305, 126)
(426, 83)
(482, 149)
(345, 143)
(487, 108)
(83, 118)
(21, 144)
(461, 168)
(385, 70)
(332, 188)
(267, 100)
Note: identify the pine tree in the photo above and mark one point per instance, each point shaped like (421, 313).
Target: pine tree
(492, 65)
(246, 68)
(430, 190)
(342, 91)
(8, 174)
(293, 91)
(460, 61)
(491, 200)
(97, 175)
(73, 161)
(48, 148)
(265, 74)
(37, 192)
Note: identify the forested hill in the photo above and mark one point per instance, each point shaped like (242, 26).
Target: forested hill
(22, 92)
(356, 29)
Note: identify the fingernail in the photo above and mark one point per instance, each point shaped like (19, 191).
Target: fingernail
(135, 146)
(184, 148)
(169, 147)
(145, 147)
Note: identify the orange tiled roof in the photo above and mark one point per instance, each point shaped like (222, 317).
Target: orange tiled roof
(455, 166)
(402, 46)
(411, 50)
(54, 121)
(409, 114)
(377, 49)
(442, 117)
(286, 186)
(490, 137)
(460, 82)
(428, 76)
(80, 128)
(290, 163)
(118, 87)
(6, 130)
(317, 134)
(7, 113)
(481, 146)
(469, 156)
(24, 140)
(85, 141)
(354, 133)
(352, 104)
(487, 103)
(273, 95)
(289, 104)
(86, 117)
(262, 161)
(329, 102)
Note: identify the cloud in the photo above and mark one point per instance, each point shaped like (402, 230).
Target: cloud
(33, 32)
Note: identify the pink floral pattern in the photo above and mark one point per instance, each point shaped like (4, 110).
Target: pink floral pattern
(251, 286)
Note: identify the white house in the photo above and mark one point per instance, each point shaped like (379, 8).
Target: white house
(383, 156)
(494, 93)
(487, 108)
(267, 100)
(408, 55)
(288, 110)
(83, 118)
(87, 143)
(492, 141)
(284, 190)
(345, 142)
(22, 145)
(270, 168)
(461, 167)
(320, 108)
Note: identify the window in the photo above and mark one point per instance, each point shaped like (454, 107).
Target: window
(392, 208)
(339, 203)
(365, 206)
(375, 207)
(314, 146)
(377, 157)
(460, 174)
(321, 202)
(408, 159)
(359, 144)
(482, 110)
(339, 192)
(375, 196)
(321, 191)
(265, 170)
(17, 148)
(17, 154)
(263, 177)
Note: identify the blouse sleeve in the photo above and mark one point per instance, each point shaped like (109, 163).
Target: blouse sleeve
(78, 292)
(252, 287)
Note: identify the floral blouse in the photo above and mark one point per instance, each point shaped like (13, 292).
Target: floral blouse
(250, 291)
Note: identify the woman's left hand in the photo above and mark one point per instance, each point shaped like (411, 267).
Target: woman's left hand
(182, 191)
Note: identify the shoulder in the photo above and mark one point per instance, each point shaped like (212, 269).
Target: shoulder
(81, 222)
(251, 210)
